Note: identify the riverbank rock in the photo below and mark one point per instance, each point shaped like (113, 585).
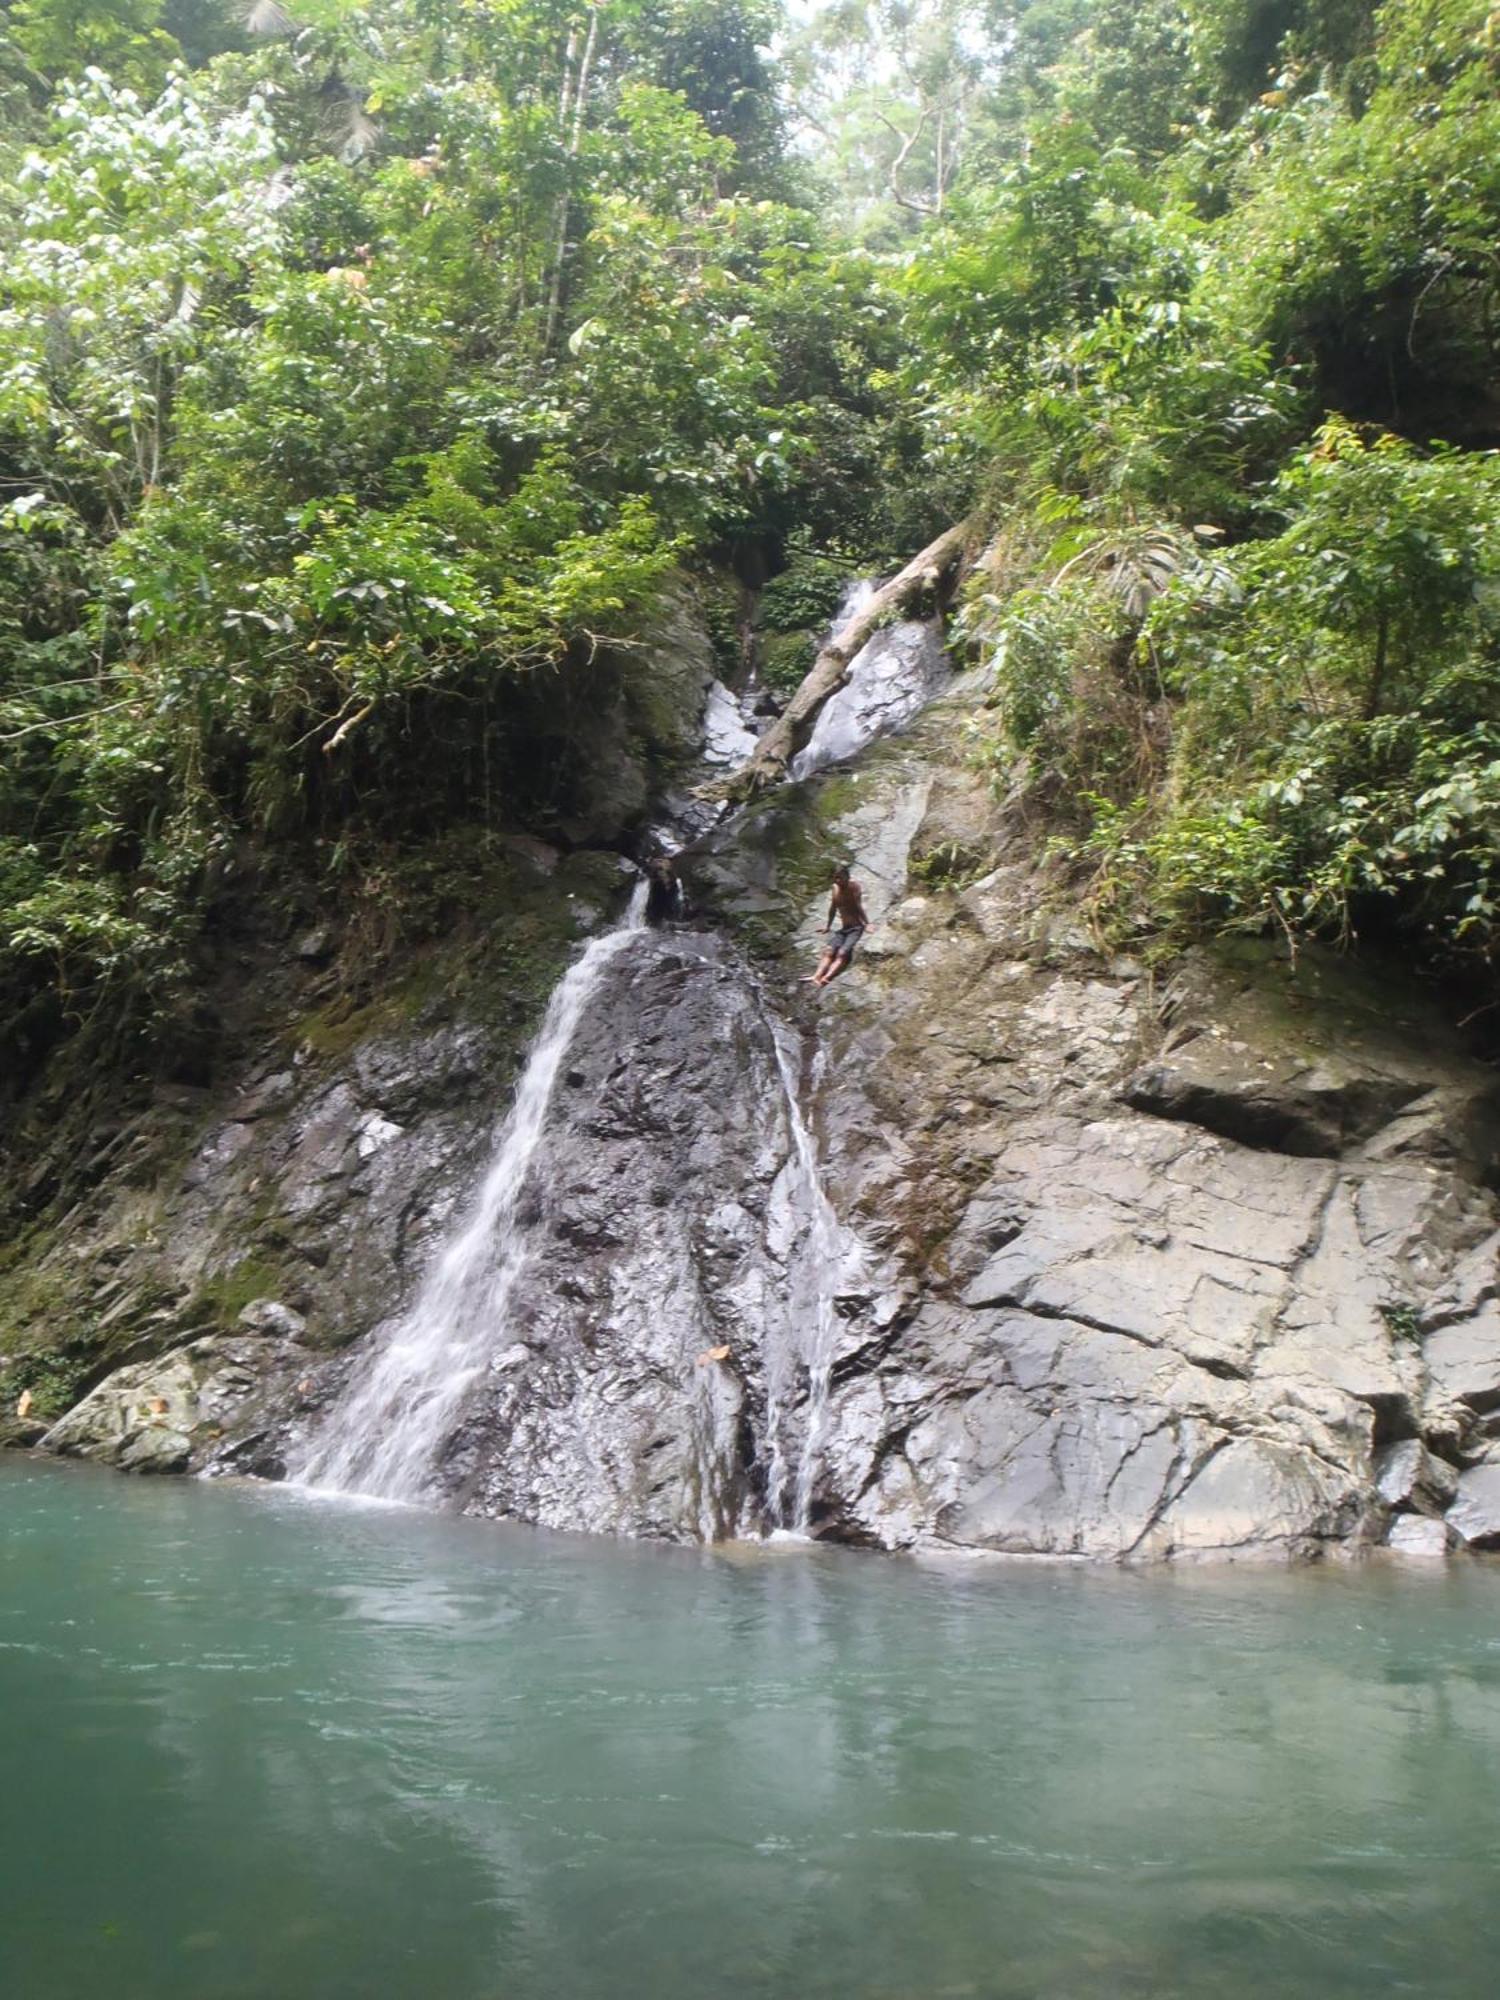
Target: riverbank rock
(157, 1415)
(1419, 1535)
(1475, 1514)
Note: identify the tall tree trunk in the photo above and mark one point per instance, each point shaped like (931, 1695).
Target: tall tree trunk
(583, 83)
(574, 141)
(570, 56)
(768, 762)
(1376, 692)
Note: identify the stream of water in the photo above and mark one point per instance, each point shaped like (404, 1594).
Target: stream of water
(382, 1436)
(892, 677)
(263, 1747)
(819, 1255)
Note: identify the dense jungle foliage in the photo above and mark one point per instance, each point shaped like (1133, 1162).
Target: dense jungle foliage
(367, 372)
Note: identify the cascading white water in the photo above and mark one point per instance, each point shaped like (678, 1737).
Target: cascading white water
(893, 676)
(818, 1256)
(382, 1437)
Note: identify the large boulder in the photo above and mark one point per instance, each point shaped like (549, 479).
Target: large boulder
(1410, 1477)
(1419, 1535)
(156, 1416)
(1475, 1514)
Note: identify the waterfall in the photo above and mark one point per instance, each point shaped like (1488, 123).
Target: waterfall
(382, 1437)
(424, 1376)
(893, 676)
(818, 1255)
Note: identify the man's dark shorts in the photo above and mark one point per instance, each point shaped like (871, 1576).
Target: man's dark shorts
(844, 941)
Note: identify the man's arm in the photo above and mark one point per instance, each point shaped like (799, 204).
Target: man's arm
(859, 905)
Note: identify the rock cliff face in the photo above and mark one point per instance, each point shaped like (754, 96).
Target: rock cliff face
(1203, 1265)
(1117, 1265)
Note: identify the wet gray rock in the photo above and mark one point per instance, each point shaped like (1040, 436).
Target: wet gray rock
(270, 1316)
(265, 1095)
(1419, 1535)
(399, 1079)
(1475, 1515)
(1408, 1476)
(727, 737)
(889, 682)
(664, 1299)
(339, 1196)
(156, 1415)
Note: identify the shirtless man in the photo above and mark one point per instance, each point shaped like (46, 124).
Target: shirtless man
(846, 909)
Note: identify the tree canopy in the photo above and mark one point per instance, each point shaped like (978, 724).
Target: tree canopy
(367, 373)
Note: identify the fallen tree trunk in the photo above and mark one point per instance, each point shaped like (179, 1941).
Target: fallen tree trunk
(768, 761)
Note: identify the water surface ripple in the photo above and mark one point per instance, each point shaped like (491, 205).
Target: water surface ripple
(262, 1747)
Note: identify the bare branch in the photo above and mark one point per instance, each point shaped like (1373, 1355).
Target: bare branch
(893, 178)
(350, 722)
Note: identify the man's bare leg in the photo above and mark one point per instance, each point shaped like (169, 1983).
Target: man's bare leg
(838, 962)
(816, 978)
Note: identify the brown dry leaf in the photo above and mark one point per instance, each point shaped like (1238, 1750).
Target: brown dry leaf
(23, 1408)
(157, 1406)
(712, 1354)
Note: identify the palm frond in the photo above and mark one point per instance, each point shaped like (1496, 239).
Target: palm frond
(267, 18)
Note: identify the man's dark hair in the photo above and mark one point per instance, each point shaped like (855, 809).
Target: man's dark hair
(841, 872)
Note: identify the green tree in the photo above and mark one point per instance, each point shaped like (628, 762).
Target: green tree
(62, 37)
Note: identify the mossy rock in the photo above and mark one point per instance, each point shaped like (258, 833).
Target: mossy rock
(221, 1298)
(496, 935)
(950, 864)
(761, 872)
